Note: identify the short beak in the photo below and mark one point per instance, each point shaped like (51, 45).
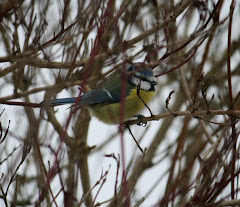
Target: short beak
(154, 83)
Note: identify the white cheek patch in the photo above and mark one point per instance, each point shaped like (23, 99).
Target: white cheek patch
(145, 85)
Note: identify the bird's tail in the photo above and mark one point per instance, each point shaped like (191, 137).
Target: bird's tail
(47, 103)
(60, 101)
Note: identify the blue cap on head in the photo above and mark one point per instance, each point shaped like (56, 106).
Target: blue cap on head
(140, 67)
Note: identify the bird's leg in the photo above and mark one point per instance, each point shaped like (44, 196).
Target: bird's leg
(139, 117)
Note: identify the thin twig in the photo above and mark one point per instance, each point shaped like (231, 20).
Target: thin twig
(130, 131)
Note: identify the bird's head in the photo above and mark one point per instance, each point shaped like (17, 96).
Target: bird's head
(141, 76)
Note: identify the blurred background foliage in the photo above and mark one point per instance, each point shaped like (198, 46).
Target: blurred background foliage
(59, 157)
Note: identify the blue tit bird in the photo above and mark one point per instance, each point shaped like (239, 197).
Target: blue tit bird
(105, 100)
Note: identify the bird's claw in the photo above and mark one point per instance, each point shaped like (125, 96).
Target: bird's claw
(140, 123)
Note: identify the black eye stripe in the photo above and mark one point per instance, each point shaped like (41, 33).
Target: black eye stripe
(143, 78)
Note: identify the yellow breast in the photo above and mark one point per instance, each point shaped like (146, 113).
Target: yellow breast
(110, 113)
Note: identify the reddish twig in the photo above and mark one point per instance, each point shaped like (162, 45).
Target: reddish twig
(234, 135)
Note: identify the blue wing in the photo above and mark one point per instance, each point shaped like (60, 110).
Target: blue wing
(95, 96)
(100, 96)
(109, 92)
